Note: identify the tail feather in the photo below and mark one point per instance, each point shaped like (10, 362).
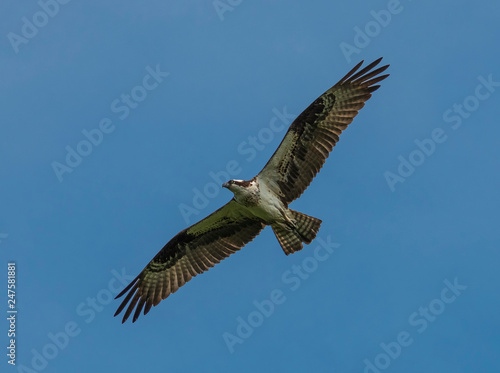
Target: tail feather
(304, 230)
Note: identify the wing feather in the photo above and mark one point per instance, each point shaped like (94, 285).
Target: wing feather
(313, 134)
(189, 253)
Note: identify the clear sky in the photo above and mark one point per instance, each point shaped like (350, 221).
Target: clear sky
(121, 119)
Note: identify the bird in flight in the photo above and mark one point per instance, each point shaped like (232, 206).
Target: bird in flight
(260, 201)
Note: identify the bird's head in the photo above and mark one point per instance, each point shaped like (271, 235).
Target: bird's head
(233, 185)
(240, 186)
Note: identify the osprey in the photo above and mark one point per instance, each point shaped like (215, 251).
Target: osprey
(260, 201)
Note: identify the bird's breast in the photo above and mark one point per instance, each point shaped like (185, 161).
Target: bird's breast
(268, 206)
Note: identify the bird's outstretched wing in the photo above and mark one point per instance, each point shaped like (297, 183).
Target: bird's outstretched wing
(314, 133)
(192, 251)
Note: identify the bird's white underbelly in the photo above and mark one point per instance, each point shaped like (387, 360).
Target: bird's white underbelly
(269, 208)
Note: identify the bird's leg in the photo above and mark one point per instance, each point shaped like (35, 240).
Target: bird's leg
(289, 222)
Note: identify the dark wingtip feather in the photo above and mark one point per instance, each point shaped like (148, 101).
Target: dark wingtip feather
(138, 309)
(125, 301)
(360, 75)
(364, 74)
(377, 61)
(149, 304)
(364, 70)
(372, 89)
(131, 307)
(127, 288)
(371, 74)
(353, 70)
(376, 80)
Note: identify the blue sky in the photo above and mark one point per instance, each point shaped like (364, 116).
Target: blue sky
(403, 276)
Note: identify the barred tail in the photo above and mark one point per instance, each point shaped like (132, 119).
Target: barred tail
(304, 231)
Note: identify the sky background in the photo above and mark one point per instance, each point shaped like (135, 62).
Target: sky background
(230, 71)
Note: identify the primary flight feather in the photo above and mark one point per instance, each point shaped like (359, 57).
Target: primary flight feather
(260, 201)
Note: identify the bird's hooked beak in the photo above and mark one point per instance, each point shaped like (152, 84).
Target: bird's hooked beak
(225, 185)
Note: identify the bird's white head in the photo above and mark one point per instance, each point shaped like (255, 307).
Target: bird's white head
(242, 188)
